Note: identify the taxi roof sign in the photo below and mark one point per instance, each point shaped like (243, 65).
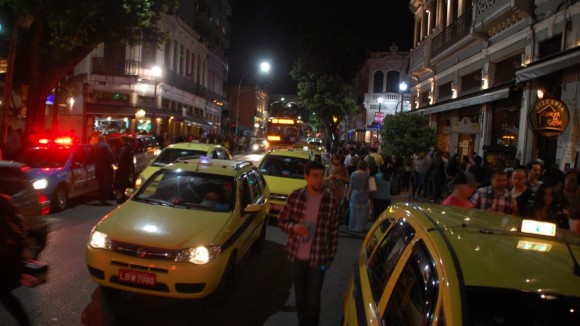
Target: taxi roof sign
(537, 227)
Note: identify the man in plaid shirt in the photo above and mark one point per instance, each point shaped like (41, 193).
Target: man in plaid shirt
(496, 198)
(310, 218)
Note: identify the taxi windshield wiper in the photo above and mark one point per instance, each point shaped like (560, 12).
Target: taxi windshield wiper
(155, 201)
(192, 205)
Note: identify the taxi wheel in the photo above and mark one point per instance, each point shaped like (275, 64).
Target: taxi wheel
(226, 288)
(59, 199)
(258, 245)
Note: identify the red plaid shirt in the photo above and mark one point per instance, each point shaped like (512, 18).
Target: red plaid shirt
(325, 240)
(485, 198)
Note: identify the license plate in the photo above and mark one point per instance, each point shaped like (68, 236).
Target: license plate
(142, 278)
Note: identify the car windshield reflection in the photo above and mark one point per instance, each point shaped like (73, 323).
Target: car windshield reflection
(198, 191)
(170, 155)
(282, 166)
(46, 157)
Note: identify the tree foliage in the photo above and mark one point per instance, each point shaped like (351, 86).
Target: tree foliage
(64, 32)
(406, 134)
(327, 96)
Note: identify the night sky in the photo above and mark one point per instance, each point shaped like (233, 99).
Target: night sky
(268, 30)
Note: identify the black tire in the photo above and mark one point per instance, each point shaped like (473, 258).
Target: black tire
(59, 199)
(224, 292)
(258, 245)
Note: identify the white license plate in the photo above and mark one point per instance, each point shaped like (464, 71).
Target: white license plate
(142, 278)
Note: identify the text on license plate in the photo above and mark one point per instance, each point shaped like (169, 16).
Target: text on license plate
(130, 276)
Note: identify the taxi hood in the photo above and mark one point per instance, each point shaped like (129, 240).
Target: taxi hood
(284, 186)
(162, 226)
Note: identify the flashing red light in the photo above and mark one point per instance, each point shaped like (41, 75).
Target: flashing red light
(59, 141)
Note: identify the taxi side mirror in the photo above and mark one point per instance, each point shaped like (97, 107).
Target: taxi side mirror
(253, 208)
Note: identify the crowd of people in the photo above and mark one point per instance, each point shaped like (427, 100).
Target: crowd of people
(533, 191)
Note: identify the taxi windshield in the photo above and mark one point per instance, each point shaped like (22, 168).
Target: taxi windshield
(49, 157)
(283, 166)
(190, 190)
(490, 306)
(170, 155)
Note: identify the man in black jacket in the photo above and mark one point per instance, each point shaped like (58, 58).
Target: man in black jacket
(125, 169)
(104, 172)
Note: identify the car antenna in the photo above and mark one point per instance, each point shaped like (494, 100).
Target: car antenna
(576, 267)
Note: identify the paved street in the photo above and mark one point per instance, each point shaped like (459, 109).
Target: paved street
(264, 295)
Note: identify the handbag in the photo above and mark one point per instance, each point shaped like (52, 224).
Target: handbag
(34, 273)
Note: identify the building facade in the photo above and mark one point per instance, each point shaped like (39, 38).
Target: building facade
(379, 82)
(499, 78)
(177, 88)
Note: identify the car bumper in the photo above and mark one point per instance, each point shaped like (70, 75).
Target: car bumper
(171, 279)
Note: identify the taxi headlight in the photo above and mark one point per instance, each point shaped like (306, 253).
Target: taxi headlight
(99, 240)
(200, 255)
(40, 184)
(255, 147)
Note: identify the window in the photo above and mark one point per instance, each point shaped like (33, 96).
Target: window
(445, 90)
(506, 70)
(471, 81)
(393, 81)
(254, 187)
(551, 46)
(415, 295)
(384, 260)
(378, 82)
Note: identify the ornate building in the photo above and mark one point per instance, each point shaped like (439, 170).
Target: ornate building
(484, 69)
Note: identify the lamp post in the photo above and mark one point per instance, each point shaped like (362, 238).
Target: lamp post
(264, 67)
(156, 73)
(402, 89)
(380, 100)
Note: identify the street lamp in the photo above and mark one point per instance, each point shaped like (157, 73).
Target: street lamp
(264, 67)
(380, 99)
(156, 73)
(402, 88)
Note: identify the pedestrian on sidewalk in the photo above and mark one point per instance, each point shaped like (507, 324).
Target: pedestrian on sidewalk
(310, 218)
(358, 198)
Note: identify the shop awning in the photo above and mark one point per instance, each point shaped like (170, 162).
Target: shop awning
(486, 96)
(549, 65)
(198, 121)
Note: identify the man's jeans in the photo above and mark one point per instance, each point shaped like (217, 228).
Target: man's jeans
(308, 287)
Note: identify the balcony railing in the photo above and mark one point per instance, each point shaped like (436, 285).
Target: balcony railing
(494, 15)
(419, 56)
(120, 68)
(185, 84)
(452, 33)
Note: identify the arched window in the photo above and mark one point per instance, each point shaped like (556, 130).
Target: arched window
(393, 79)
(378, 82)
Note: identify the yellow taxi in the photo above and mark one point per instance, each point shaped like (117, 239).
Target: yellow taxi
(428, 264)
(184, 232)
(283, 170)
(184, 150)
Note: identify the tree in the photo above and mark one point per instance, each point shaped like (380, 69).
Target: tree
(406, 134)
(64, 32)
(328, 96)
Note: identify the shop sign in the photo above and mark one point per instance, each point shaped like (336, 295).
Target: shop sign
(465, 126)
(379, 117)
(549, 117)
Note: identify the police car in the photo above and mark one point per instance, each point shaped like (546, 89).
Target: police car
(60, 170)
(428, 264)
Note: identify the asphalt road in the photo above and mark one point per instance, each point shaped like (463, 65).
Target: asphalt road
(264, 295)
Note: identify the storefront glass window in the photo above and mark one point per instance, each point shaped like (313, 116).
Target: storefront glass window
(506, 126)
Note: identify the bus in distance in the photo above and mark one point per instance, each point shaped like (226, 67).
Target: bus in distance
(283, 131)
